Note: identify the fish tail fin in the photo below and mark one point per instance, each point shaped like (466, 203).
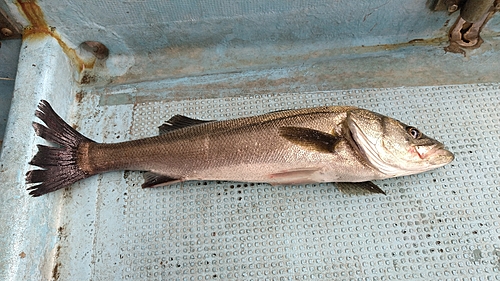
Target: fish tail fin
(59, 164)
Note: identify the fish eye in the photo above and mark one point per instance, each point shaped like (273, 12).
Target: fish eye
(414, 132)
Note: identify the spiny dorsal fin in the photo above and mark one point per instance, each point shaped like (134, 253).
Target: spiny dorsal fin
(179, 122)
(358, 188)
(154, 180)
(310, 138)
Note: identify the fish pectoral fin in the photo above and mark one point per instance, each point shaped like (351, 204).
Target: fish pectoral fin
(310, 138)
(179, 122)
(358, 188)
(296, 176)
(155, 180)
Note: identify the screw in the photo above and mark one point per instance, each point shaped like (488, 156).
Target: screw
(452, 8)
(6, 32)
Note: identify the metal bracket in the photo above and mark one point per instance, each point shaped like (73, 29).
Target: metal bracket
(8, 28)
(465, 33)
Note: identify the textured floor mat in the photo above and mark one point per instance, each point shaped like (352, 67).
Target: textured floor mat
(440, 225)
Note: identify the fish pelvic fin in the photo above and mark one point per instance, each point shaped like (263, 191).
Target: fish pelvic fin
(59, 164)
(155, 180)
(359, 188)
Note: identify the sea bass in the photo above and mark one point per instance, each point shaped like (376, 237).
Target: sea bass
(343, 144)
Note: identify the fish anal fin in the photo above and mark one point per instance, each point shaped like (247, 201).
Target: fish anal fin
(155, 180)
(310, 138)
(294, 176)
(358, 188)
(179, 122)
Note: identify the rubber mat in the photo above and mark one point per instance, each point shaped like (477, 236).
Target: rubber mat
(439, 225)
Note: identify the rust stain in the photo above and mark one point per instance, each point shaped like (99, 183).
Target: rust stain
(88, 78)
(79, 96)
(39, 29)
(34, 15)
(55, 270)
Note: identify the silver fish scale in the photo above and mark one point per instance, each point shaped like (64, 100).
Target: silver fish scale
(440, 225)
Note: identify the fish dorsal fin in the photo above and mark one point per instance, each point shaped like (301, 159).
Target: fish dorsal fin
(154, 180)
(358, 188)
(310, 138)
(179, 122)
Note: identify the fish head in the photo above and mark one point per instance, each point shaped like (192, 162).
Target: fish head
(393, 147)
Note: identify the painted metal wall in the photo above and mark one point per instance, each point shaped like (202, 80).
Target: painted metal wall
(9, 54)
(144, 26)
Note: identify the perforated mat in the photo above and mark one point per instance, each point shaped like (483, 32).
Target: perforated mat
(440, 225)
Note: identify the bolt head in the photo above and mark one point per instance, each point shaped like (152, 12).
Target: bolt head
(6, 32)
(452, 8)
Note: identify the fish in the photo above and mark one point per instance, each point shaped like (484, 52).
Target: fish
(346, 145)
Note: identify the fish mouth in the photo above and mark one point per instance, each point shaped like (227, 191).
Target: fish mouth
(436, 154)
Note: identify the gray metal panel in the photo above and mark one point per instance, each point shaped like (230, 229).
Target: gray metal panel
(142, 26)
(9, 54)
